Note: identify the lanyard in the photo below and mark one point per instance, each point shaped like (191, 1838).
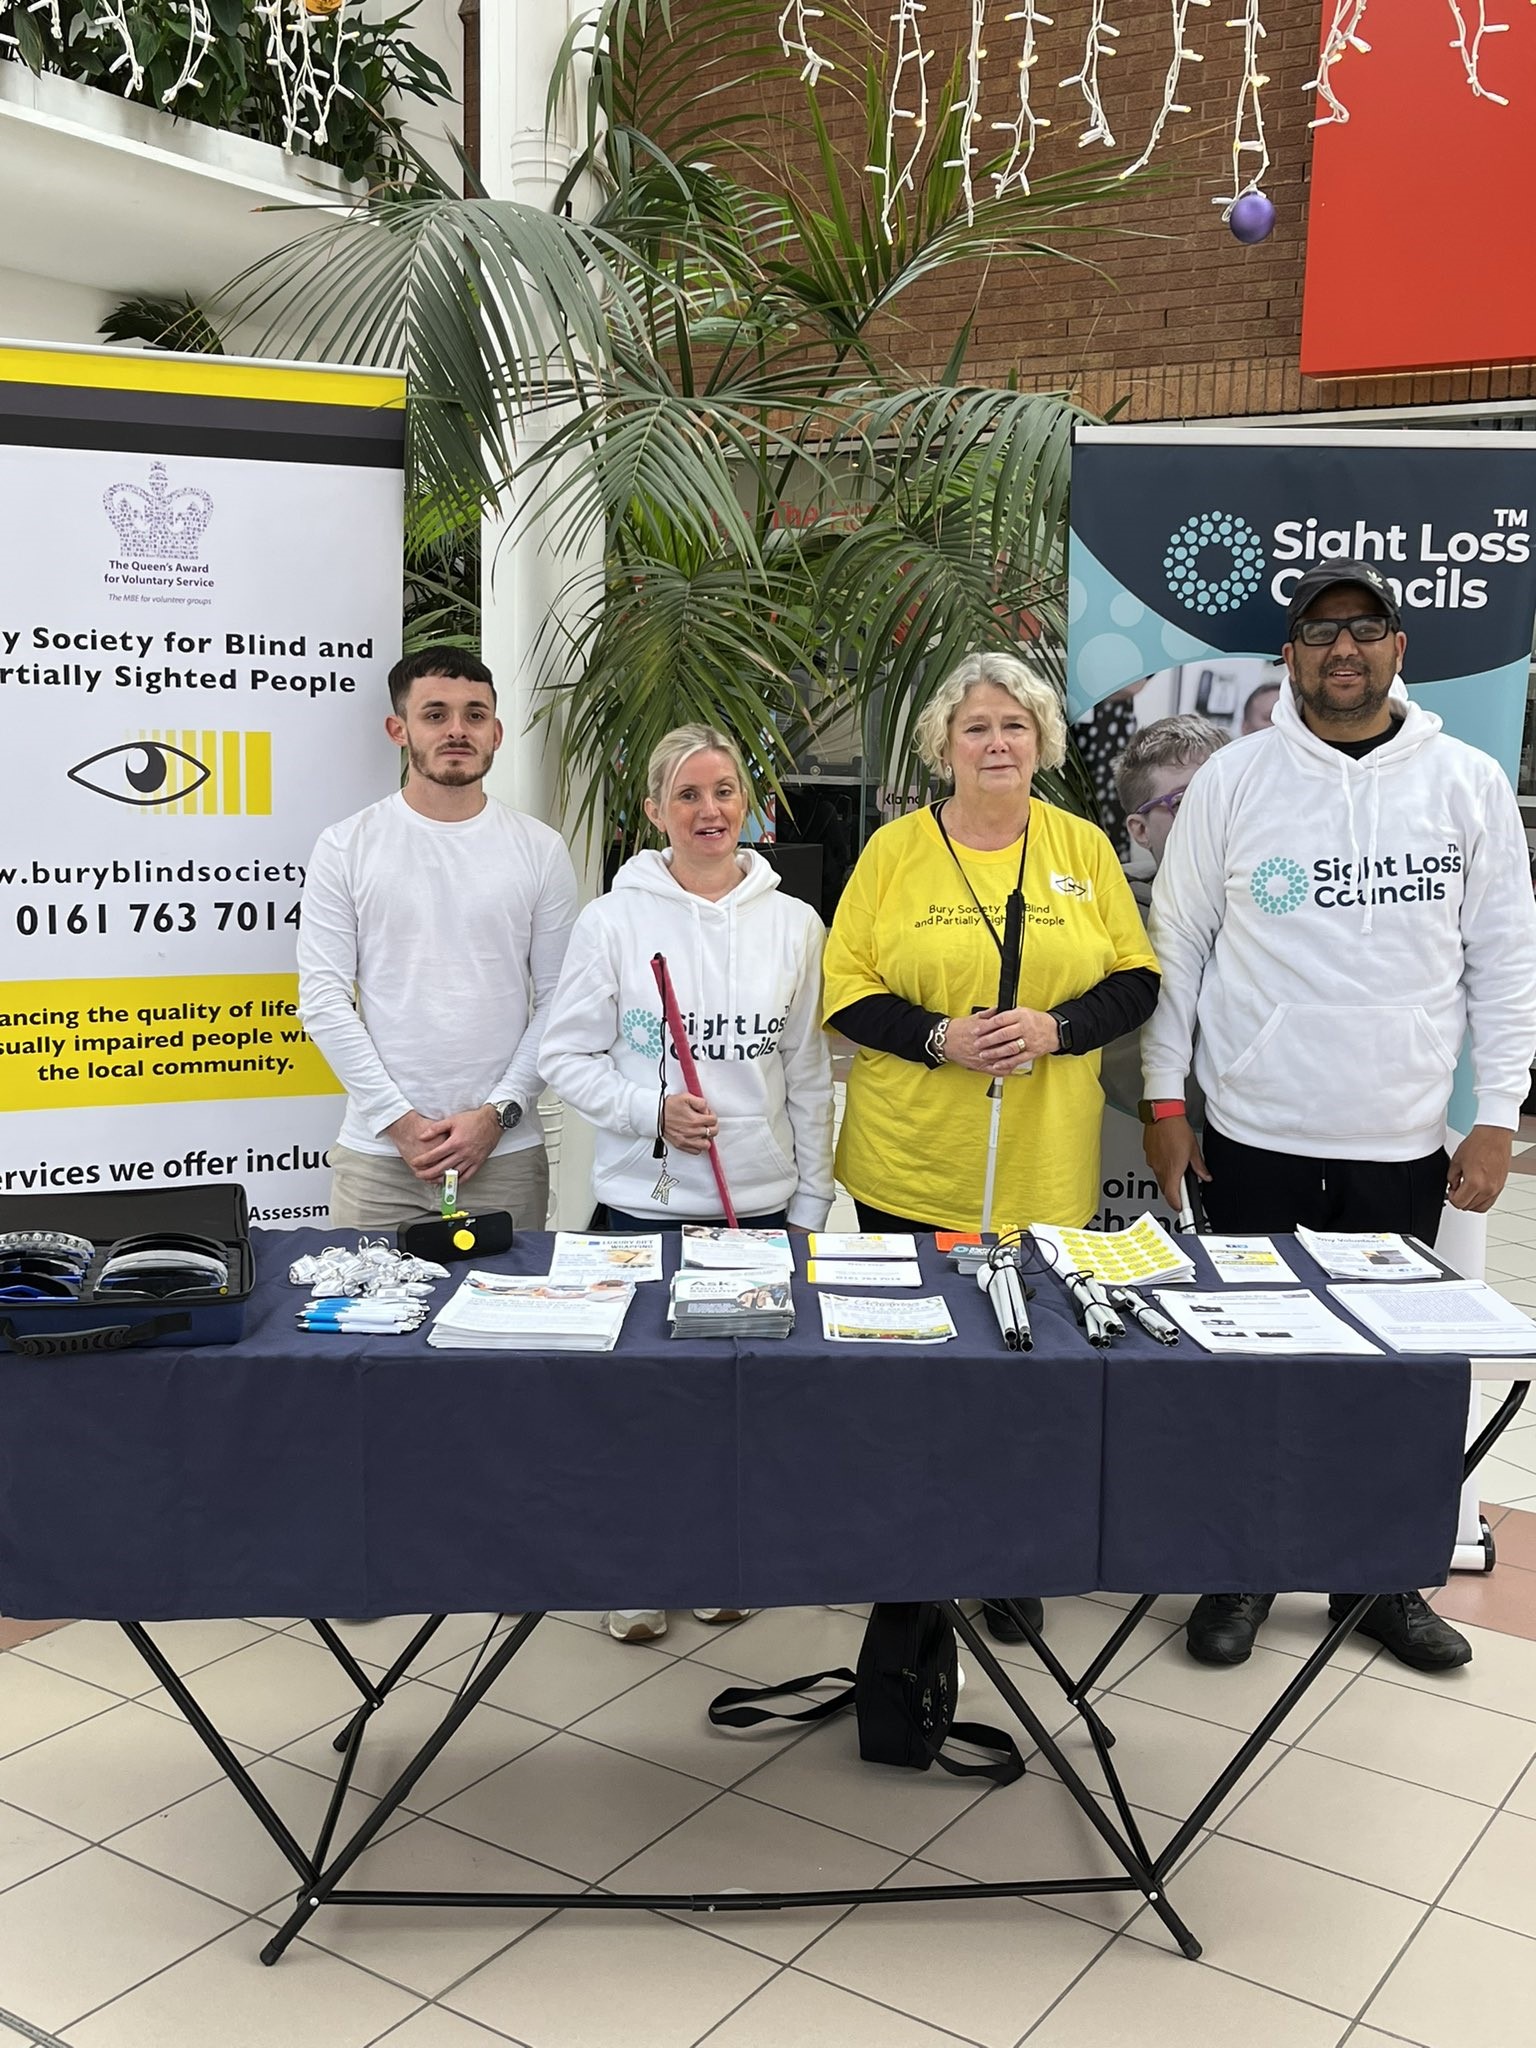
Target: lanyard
(1010, 947)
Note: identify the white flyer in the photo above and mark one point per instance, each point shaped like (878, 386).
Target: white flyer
(1246, 1259)
(1282, 1323)
(862, 1244)
(853, 1319)
(1462, 1317)
(714, 1248)
(1366, 1255)
(581, 1255)
(864, 1273)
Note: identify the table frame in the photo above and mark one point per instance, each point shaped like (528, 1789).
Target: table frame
(322, 1869)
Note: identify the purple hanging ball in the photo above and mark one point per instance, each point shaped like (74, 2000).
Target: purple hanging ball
(1252, 218)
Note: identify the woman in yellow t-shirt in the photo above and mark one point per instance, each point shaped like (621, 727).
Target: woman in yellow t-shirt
(912, 977)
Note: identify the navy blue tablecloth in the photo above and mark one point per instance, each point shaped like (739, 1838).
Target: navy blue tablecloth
(300, 1474)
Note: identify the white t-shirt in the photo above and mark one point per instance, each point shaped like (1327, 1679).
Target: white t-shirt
(453, 936)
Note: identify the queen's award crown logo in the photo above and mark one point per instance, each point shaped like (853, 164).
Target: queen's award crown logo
(157, 523)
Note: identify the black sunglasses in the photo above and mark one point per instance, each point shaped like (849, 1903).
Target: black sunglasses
(1370, 626)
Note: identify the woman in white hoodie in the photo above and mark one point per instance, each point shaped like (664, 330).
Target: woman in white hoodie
(745, 962)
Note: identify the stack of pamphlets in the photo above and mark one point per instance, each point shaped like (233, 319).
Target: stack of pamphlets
(1280, 1323)
(1246, 1259)
(582, 1255)
(731, 1305)
(863, 1258)
(507, 1312)
(1367, 1255)
(1144, 1255)
(711, 1248)
(859, 1319)
(1463, 1317)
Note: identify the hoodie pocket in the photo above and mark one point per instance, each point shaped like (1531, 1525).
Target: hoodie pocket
(755, 1161)
(1333, 1072)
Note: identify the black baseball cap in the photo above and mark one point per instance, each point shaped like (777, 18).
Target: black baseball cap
(1326, 575)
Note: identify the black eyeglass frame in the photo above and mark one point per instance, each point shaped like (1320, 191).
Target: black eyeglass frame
(1324, 632)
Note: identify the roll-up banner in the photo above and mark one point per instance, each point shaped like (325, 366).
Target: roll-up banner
(1186, 544)
(200, 603)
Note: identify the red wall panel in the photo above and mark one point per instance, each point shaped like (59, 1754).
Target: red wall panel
(1421, 229)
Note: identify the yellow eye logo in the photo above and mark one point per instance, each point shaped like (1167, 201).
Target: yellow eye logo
(142, 772)
(184, 774)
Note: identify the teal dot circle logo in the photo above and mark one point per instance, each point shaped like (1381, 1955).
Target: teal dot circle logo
(1279, 885)
(641, 1031)
(1202, 541)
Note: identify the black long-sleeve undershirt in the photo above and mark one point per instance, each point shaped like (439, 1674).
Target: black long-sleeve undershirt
(1121, 1002)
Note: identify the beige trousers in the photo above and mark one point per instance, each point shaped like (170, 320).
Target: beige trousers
(375, 1191)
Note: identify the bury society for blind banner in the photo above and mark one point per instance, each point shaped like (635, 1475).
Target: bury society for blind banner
(199, 605)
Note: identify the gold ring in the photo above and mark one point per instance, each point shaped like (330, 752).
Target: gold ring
(1022, 1046)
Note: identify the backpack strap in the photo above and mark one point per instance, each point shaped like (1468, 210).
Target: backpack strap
(731, 1708)
(1008, 1766)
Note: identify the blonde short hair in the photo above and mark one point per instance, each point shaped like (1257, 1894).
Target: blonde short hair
(678, 746)
(1031, 692)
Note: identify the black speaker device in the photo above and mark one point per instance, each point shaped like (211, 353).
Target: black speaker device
(448, 1239)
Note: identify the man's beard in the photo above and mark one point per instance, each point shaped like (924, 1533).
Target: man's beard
(454, 770)
(1322, 706)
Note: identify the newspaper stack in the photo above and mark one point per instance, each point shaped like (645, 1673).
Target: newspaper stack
(731, 1305)
(502, 1312)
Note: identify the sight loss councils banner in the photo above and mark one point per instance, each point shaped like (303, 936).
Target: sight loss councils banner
(200, 604)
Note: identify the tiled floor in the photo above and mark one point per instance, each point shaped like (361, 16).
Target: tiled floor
(1373, 1881)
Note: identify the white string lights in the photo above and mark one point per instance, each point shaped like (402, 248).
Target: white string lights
(1342, 37)
(1182, 55)
(909, 78)
(1471, 53)
(1023, 130)
(1100, 43)
(969, 108)
(1246, 210)
(795, 41)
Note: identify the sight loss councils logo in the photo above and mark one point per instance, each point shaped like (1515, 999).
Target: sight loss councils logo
(1196, 553)
(185, 774)
(1278, 885)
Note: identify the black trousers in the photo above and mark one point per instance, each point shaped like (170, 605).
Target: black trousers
(882, 1219)
(1252, 1191)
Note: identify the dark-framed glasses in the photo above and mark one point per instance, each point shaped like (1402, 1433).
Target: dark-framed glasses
(1370, 626)
(1169, 802)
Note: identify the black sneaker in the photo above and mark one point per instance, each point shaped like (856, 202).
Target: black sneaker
(1002, 1627)
(1222, 1626)
(1406, 1625)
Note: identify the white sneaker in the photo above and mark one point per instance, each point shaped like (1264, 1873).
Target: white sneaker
(722, 1614)
(637, 1624)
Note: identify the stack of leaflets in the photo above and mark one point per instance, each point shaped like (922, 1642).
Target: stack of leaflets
(1464, 1318)
(712, 1248)
(1144, 1255)
(1245, 1259)
(582, 1255)
(863, 1258)
(1281, 1323)
(507, 1312)
(1367, 1255)
(857, 1319)
(730, 1305)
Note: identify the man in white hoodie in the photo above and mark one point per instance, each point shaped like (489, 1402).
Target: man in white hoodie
(1343, 899)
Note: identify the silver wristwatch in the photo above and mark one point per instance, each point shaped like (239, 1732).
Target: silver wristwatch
(508, 1114)
(934, 1043)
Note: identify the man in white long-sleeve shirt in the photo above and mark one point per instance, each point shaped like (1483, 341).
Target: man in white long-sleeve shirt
(448, 915)
(1343, 898)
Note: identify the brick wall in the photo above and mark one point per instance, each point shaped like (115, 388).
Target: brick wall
(1178, 320)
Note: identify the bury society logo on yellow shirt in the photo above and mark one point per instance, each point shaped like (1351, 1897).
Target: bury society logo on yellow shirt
(1071, 885)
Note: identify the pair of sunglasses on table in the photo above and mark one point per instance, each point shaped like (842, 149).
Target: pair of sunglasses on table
(154, 1265)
